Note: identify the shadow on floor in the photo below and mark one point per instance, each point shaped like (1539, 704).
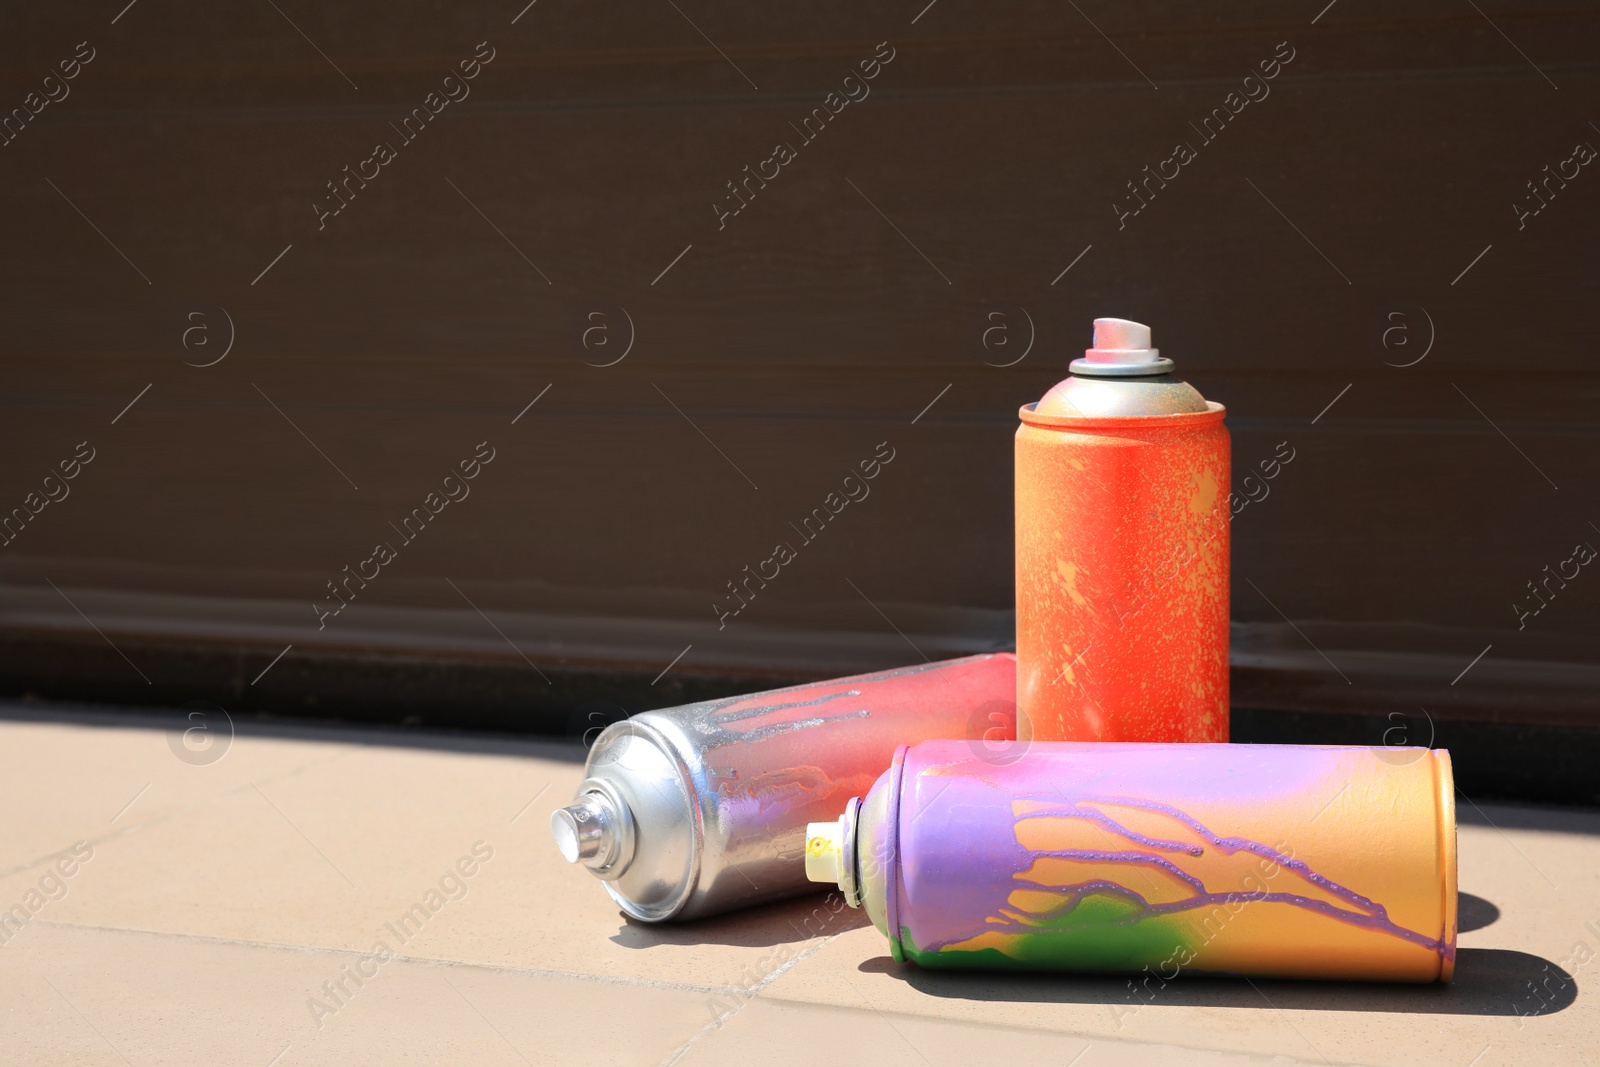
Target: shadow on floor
(773, 924)
(1488, 981)
(1474, 913)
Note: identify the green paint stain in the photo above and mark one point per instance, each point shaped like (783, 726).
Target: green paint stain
(1100, 934)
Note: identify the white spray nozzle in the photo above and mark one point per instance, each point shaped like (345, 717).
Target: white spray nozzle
(824, 852)
(1121, 341)
(1121, 350)
(831, 852)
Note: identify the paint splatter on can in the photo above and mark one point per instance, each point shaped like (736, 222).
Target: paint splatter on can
(1273, 860)
(700, 809)
(1122, 474)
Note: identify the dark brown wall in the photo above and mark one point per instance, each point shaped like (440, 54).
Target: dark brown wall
(809, 329)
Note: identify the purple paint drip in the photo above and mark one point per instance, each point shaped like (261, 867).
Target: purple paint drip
(1379, 915)
(1105, 820)
(1206, 899)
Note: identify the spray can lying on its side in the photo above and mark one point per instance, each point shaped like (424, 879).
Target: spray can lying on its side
(701, 809)
(1275, 860)
(1122, 476)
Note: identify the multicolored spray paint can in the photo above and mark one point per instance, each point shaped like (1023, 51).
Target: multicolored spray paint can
(700, 809)
(1122, 552)
(1277, 860)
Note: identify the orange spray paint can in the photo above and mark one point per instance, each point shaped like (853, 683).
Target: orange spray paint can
(1122, 474)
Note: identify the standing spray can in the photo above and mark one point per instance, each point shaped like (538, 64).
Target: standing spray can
(1122, 552)
(1291, 861)
(701, 809)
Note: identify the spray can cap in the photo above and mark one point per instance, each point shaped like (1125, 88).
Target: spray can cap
(831, 853)
(824, 851)
(595, 830)
(1121, 350)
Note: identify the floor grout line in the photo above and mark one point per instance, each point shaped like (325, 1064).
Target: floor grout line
(749, 993)
(433, 961)
(1090, 1036)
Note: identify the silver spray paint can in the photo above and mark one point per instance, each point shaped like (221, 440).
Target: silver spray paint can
(701, 809)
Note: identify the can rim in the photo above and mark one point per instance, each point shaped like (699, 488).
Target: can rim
(891, 881)
(671, 907)
(1214, 413)
(1444, 779)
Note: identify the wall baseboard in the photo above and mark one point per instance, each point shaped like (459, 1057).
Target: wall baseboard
(1518, 729)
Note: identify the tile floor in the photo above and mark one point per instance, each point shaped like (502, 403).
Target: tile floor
(185, 911)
